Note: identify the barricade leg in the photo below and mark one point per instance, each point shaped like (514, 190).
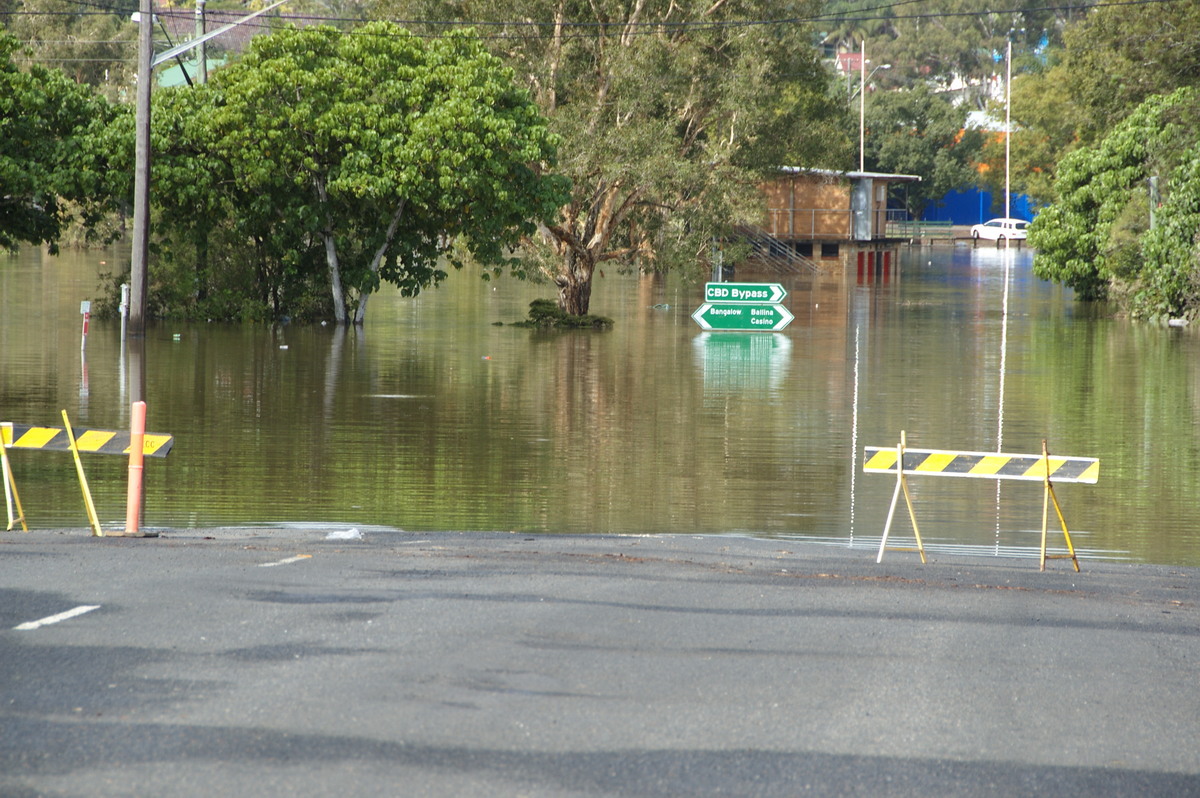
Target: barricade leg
(87, 494)
(1048, 496)
(901, 485)
(913, 517)
(887, 526)
(11, 497)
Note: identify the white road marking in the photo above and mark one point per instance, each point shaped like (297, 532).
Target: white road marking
(288, 561)
(62, 616)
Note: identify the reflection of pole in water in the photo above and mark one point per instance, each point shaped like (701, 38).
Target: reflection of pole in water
(854, 433)
(1003, 370)
(83, 379)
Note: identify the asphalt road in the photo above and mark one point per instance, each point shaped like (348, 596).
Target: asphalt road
(277, 662)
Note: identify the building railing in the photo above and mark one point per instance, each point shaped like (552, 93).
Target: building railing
(837, 224)
(919, 229)
(778, 255)
(810, 223)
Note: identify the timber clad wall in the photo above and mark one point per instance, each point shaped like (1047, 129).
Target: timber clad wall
(820, 205)
(808, 207)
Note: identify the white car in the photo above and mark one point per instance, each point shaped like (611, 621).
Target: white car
(1000, 229)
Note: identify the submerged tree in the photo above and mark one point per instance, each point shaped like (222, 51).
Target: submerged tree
(670, 115)
(385, 149)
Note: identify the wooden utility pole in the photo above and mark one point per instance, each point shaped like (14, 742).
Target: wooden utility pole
(138, 281)
(202, 48)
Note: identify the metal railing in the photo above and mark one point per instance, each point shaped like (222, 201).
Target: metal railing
(917, 228)
(778, 255)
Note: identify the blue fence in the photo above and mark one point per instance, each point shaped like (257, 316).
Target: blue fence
(972, 206)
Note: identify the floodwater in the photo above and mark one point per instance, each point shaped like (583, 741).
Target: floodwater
(436, 417)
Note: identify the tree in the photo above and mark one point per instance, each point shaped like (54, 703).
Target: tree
(918, 132)
(46, 120)
(386, 150)
(1112, 59)
(1096, 237)
(1045, 127)
(1119, 55)
(89, 43)
(670, 114)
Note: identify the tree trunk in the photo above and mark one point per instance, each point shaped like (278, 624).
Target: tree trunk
(331, 258)
(360, 315)
(575, 283)
(335, 279)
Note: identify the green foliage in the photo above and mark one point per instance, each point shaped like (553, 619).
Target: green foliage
(384, 149)
(1045, 125)
(669, 113)
(1118, 56)
(46, 159)
(1170, 285)
(546, 314)
(1114, 57)
(91, 44)
(951, 42)
(337, 160)
(917, 132)
(1096, 238)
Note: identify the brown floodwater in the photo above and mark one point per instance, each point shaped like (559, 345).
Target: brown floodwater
(436, 417)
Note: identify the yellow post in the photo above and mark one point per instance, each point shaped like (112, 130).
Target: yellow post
(1047, 496)
(87, 494)
(11, 496)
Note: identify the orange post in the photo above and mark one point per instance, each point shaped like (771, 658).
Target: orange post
(133, 500)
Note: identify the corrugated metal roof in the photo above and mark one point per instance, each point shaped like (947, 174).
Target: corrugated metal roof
(855, 175)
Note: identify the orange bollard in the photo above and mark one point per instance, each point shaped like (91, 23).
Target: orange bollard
(133, 499)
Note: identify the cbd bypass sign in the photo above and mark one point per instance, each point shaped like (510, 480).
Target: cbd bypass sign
(743, 307)
(761, 293)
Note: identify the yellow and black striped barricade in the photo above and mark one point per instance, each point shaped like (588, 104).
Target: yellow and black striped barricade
(1044, 468)
(66, 439)
(88, 441)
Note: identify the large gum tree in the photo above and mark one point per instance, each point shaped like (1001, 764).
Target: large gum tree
(670, 113)
(392, 151)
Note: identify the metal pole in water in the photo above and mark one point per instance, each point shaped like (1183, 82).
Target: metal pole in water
(124, 309)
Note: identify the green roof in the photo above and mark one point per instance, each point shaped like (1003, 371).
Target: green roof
(169, 76)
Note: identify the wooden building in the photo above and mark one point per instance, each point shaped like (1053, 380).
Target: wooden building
(838, 220)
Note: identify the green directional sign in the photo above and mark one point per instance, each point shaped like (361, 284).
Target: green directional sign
(761, 293)
(742, 317)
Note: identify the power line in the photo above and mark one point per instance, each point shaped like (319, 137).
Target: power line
(651, 25)
(641, 28)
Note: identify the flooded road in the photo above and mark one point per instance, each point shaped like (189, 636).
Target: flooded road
(435, 416)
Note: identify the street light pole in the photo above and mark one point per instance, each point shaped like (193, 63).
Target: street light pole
(862, 104)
